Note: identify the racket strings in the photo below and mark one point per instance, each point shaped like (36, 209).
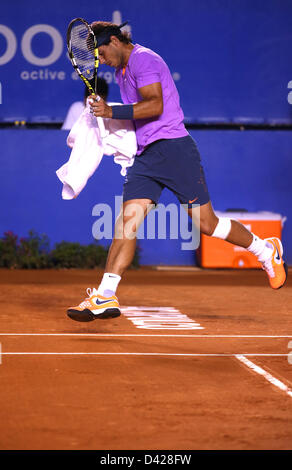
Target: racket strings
(82, 46)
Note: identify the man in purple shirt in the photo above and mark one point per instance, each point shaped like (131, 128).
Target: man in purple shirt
(167, 157)
(144, 68)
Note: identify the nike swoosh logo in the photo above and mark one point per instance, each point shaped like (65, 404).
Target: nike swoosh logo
(277, 257)
(102, 302)
(190, 202)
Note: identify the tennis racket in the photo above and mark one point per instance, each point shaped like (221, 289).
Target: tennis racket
(83, 53)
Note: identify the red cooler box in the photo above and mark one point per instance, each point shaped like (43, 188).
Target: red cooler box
(216, 253)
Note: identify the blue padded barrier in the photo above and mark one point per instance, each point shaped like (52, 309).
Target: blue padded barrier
(247, 169)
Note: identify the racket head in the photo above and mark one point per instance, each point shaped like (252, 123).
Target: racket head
(83, 51)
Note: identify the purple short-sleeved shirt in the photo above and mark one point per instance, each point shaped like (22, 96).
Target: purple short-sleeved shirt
(144, 68)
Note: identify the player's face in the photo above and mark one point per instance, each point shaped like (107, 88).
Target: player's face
(110, 55)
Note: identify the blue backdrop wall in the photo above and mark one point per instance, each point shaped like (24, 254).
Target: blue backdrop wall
(231, 59)
(249, 169)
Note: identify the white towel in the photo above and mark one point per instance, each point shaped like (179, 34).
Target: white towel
(88, 148)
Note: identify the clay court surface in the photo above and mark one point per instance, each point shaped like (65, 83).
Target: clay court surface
(222, 381)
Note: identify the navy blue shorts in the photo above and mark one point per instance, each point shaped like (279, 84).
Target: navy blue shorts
(168, 163)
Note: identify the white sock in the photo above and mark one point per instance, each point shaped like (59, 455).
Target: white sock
(260, 248)
(109, 284)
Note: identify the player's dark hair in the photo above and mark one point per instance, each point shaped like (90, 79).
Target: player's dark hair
(100, 27)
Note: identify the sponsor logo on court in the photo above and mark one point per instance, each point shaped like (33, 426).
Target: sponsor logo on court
(161, 223)
(160, 318)
(290, 353)
(290, 92)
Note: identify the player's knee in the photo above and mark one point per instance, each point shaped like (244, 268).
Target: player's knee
(207, 226)
(222, 229)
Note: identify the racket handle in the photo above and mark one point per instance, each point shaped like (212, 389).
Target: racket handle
(100, 122)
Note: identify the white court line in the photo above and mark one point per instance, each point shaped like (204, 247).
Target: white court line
(145, 335)
(269, 377)
(139, 354)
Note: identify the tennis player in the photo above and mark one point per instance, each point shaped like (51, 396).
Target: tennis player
(167, 157)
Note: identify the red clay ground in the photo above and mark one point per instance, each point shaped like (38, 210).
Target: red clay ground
(118, 400)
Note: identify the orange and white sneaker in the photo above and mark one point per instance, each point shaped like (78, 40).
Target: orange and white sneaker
(275, 266)
(95, 307)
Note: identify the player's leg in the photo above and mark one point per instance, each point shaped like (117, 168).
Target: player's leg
(123, 246)
(269, 251)
(102, 302)
(185, 177)
(139, 190)
(237, 233)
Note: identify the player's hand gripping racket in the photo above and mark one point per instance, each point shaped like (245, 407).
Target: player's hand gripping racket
(83, 53)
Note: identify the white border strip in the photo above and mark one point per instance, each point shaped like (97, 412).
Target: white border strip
(269, 377)
(140, 354)
(194, 336)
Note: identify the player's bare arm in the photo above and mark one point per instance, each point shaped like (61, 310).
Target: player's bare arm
(151, 104)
